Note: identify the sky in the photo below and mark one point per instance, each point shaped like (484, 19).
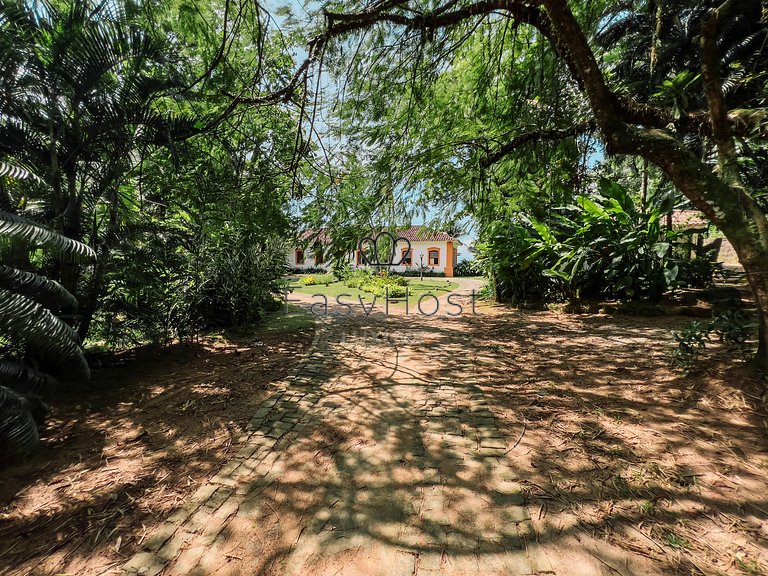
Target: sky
(329, 90)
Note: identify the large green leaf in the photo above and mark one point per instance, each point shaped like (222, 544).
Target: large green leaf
(51, 340)
(17, 228)
(592, 207)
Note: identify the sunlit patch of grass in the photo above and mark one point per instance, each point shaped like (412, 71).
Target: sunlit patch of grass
(676, 541)
(293, 319)
(749, 566)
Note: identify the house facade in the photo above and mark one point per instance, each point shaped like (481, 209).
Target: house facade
(434, 251)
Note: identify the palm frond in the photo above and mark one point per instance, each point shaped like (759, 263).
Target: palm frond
(18, 431)
(16, 172)
(25, 379)
(46, 336)
(22, 229)
(42, 290)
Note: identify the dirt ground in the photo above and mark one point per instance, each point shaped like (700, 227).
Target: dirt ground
(153, 426)
(626, 463)
(625, 459)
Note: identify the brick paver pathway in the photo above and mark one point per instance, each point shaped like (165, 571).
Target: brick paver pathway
(377, 456)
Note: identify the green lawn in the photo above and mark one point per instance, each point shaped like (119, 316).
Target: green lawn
(295, 318)
(416, 287)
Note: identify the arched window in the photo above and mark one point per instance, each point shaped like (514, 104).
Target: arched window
(299, 256)
(319, 256)
(406, 257)
(433, 257)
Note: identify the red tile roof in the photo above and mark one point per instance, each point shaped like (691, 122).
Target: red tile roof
(413, 233)
(316, 235)
(425, 234)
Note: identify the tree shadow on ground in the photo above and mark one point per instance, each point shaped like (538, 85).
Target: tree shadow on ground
(600, 435)
(128, 449)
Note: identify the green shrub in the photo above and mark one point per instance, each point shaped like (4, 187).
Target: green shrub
(468, 268)
(243, 282)
(698, 272)
(607, 245)
(691, 340)
(390, 290)
(357, 277)
(378, 284)
(341, 268)
(317, 279)
(426, 272)
(732, 328)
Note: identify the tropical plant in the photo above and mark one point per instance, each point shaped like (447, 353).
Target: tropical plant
(467, 268)
(244, 281)
(732, 327)
(608, 245)
(509, 252)
(617, 247)
(39, 351)
(83, 87)
(404, 51)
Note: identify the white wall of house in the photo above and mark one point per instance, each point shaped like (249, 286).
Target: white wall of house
(310, 259)
(437, 256)
(420, 255)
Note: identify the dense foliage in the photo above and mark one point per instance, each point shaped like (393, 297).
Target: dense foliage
(167, 140)
(508, 112)
(606, 245)
(117, 137)
(379, 283)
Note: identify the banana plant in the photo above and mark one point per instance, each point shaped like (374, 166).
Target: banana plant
(612, 245)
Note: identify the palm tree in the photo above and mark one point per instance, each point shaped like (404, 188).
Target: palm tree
(82, 87)
(652, 42)
(39, 351)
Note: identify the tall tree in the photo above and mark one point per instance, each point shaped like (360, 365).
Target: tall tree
(630, 122)
(81, 91)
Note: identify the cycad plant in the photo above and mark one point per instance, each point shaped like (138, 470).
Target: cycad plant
(39, 351)
(85, 89)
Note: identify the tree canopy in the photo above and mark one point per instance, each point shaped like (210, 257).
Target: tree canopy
(156, 156)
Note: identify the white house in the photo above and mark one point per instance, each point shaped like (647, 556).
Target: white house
(436, 251)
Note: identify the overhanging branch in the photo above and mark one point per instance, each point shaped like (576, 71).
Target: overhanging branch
(536, 136)
(341, 24)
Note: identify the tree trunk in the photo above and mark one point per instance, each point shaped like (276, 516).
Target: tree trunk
(91, 298)
(720, 196)
(758, 280)
(71, 227)
(96, 286)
